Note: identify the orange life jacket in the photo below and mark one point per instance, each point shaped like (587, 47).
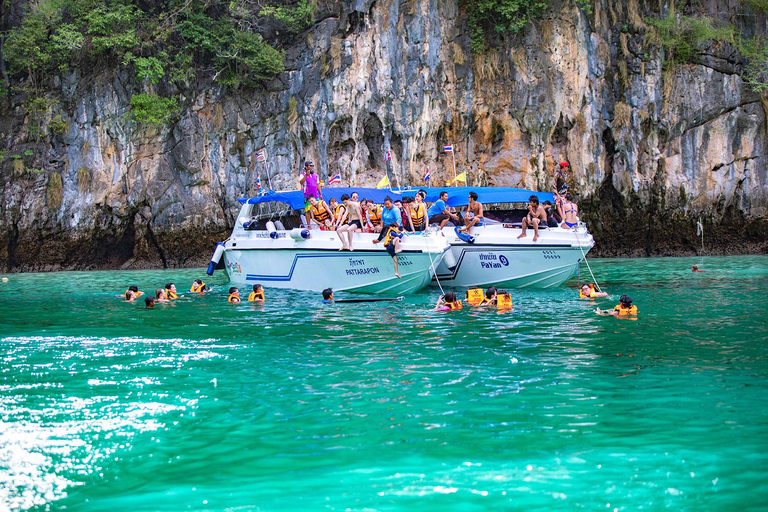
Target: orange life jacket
(418, 216)
(197, 289)
(320, 212)
(234, 297)
(504, 301)
(474, 296)
(391, 233)
(454, 306)
(170, 295)
(591, 291)
(256, 295)
(135, 294)
(631, 310)
(374, 215)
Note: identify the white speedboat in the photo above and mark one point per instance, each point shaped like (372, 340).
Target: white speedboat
(496, 256)
(262, 250)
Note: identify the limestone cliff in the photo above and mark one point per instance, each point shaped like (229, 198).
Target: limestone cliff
(653, 149)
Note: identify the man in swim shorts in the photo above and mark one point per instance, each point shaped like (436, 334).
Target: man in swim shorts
(473, 216)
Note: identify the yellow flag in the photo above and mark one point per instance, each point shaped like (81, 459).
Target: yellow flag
(461, 177)
(383, 182)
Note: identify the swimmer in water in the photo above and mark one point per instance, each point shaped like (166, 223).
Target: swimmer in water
(149, 302)
(160, 295)
(327, 296)
(624, 308)
(198, 286)
(257, 295)
(695, 268)
(132, 293)
(234, 295)
(170, 291)
(588, 291)
(448, 302)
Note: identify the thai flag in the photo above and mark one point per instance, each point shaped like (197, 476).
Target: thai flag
(261, 156)
(335, 179)
(448, 148)
(388, 156)
(426, 176)
(258, 182)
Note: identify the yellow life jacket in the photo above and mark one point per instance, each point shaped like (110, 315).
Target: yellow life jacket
(389, 236)
(170, 295)
(135, 294)
(374, 215)
(454, 306)
(418, 216)
(504, 301)
(320, 212)
(234, 297)
(197, 289)
(631, 310)
(337, 211)
(254, 295)
(591, 291)
(475, 296)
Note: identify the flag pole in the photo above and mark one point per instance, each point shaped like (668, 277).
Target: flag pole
(453, 158)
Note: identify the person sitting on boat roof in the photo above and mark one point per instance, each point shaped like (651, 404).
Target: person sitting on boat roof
(160, 295)
(439, 212)
(170, 291)
(392, 243)
(570, 213)
(149, 302)
(132, 293)
(234, 295)
(198, 286)
(624, 308)
(473, 216)
(257, 295)
(320, 213)
(405, 216)
(588, 291)
(389, 214)
(311, 187)
(536, 215)
(448, 302)
(373, 216)
(327, 296)
(553, 218)
(353, 222)
(418, 211)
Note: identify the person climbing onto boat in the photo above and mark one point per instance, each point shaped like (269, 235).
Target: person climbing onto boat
(695, 268)
(328, 296)
(624, 308)
(588, 291)
(353, 222)
(170, 291)
(160, 295)
(405, 216)
(149, 302)
(570, 212)
(389, 214)
(536, 215)
(490, 297)
(418, 211)
(448, 302)
(440, 214)
(257, 295)
(234, 295)
(392, 243)
(310, 185)
(473, 216)
(198, 286)
(320, 213)
(132, 293)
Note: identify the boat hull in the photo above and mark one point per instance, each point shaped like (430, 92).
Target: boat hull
(499, 258)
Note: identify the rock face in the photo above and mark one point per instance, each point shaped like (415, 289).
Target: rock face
(653, 150)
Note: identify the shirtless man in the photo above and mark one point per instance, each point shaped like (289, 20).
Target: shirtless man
(536, 215)
(473, 216)
(570, 212)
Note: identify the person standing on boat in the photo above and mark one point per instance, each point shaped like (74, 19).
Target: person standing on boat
(439, 212)
(389, 214)
(474, 214)
(561, 174)
(353, 222)
(570, 213)
(536, 215)
(311, 186)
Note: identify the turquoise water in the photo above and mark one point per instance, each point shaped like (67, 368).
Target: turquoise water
(295, 405)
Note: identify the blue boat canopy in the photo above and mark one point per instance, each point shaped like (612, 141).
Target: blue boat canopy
(457, 196)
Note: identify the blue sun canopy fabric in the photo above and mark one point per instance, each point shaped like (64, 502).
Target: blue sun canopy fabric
(457, 196)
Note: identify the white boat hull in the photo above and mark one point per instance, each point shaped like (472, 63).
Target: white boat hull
(501, 259)
(317, 263)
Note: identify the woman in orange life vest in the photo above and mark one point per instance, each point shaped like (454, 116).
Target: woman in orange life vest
(170, 291)
(418, 212)
(132, 293)
(257, 295)
(490, 296)
(448, 302)
(339, 213)
(234, 295)
(320, 213)
(624, 308)
(588, 292)
(198, 286)
(374, 215)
